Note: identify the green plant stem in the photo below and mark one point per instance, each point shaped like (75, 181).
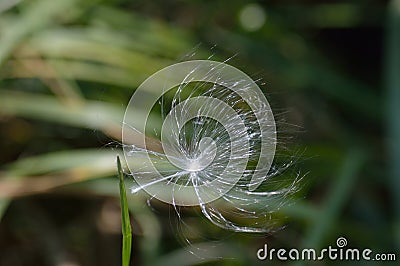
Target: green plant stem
(126, 224)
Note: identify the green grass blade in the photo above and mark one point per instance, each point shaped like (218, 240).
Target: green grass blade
(3, 207)
(92, 114)
(340, 192)
(126, 224)
(392, 80)
(38, 15)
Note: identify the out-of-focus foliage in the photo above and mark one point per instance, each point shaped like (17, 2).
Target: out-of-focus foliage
(68, 68)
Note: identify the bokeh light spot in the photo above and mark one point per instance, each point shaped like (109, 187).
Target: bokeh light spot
(252, 17)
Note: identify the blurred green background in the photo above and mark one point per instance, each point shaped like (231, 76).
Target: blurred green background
(330, 70)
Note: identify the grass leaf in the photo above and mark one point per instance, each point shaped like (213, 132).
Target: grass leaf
(126, 224)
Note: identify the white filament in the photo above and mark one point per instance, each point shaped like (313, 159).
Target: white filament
(224, 157)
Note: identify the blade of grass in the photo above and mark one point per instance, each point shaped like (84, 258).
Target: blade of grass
(80, 165)
(328, 214)
(79, 160)
(3, 207)
(5, 5)
(337, 198)
(155, 36)
(74, 44)
(392, 79)
(75, 70)
(126, 223)
(90, 114)
(34, 18)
